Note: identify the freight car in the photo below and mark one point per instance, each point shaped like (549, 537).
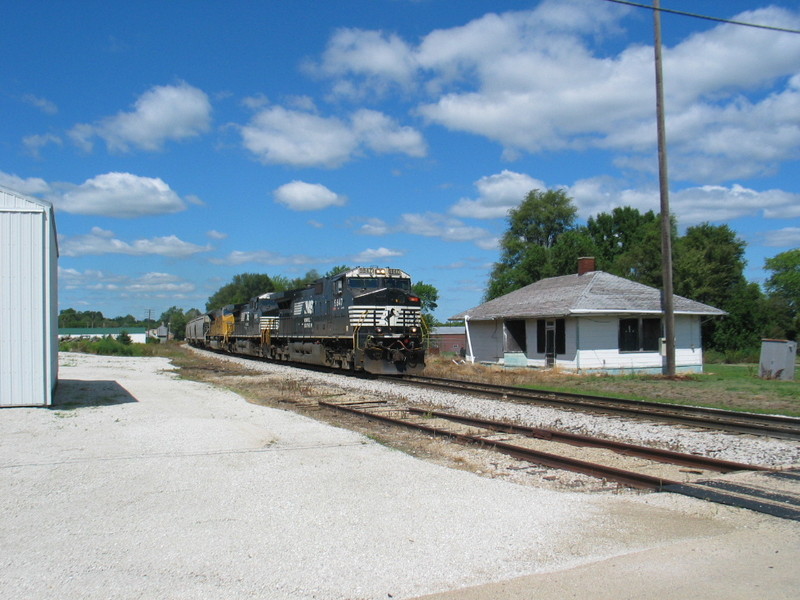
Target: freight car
(364, 319)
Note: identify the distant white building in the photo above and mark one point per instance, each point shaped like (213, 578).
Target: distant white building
(591, 321)
(138, 335)
(28, 300)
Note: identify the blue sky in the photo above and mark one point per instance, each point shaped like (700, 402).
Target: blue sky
(185, 142)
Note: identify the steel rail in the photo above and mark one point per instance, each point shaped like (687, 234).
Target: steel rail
(771, 503)
(750, 423)
(655, 454)
(630, 478)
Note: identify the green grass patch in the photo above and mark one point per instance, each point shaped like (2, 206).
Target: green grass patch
(730, 387)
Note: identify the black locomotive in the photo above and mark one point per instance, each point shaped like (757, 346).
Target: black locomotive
(363, 319)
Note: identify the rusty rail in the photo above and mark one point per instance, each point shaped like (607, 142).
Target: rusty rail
(630, 478)
(655, 454)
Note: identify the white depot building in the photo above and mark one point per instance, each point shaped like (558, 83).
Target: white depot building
(28, 300)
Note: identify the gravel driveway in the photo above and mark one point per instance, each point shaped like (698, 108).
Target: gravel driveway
(142, 485)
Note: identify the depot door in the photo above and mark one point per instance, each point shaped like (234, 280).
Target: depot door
(550, 344)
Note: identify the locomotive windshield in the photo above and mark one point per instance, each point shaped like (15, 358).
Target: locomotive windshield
(363, 283)
(371, 283)
(403, 284)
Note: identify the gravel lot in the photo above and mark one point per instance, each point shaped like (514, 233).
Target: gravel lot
(142, 485)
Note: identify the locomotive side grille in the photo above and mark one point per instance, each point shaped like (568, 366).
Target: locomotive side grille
(385, 316)
(269, 323)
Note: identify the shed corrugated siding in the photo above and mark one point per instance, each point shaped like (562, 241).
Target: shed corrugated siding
(51, 328)
(28, 361)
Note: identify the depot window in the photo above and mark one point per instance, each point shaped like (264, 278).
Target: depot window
(639, 335)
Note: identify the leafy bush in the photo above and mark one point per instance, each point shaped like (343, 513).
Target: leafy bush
(732, 357)
(107, 346)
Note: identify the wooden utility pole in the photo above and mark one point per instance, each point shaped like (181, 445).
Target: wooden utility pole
(666, 225)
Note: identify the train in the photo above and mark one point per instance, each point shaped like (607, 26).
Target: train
(363, 319)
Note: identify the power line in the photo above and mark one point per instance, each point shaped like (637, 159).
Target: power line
(705, 17)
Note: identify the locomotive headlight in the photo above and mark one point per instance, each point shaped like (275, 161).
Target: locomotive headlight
(413, 330)
(379, 330)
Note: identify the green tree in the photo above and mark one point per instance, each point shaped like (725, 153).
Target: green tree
(176, 320)
(619, 234)
(67, 318)
(783, 288)
(282, 283)
(709, 267)
(571, 246)
(192, 313)
(542, 217)
(243, 287)
(742, 328)
(709, 264)
(519, 266)
(428, 296)
(336, 270)
(642, 260)
(82, 319)
(785, 278)
(534, 227)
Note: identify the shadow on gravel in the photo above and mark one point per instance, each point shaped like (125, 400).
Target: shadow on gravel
(75, 393)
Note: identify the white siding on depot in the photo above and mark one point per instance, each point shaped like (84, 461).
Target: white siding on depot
(28, 301)
(486, 340)
(599, 343)
(591, 344)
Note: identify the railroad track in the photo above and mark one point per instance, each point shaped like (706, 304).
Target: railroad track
(778, 426)
(686, 474)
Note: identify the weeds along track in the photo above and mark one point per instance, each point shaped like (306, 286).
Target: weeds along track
(736, 422)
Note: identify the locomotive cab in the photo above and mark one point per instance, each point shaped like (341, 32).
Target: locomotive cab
(386, 319)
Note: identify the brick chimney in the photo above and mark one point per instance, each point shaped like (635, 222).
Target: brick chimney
(586, 264)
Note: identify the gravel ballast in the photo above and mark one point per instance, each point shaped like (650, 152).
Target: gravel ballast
(142, 485)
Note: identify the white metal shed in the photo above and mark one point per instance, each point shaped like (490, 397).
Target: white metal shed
(28, 300)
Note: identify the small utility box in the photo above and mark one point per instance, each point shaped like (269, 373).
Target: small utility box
(777, 359)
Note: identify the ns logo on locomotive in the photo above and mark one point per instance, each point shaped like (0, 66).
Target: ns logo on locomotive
(363, 319)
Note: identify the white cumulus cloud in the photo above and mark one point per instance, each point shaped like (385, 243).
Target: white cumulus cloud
(29, 185)
(277, 135)
(161, 114)
(152, 284)
(299, 195)
(692, 205)
(43, 104)
(544, 80)
(266, 257)
(122, 195)
(497, 195)
(101, 241)
(787, 237)
(372, 255)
